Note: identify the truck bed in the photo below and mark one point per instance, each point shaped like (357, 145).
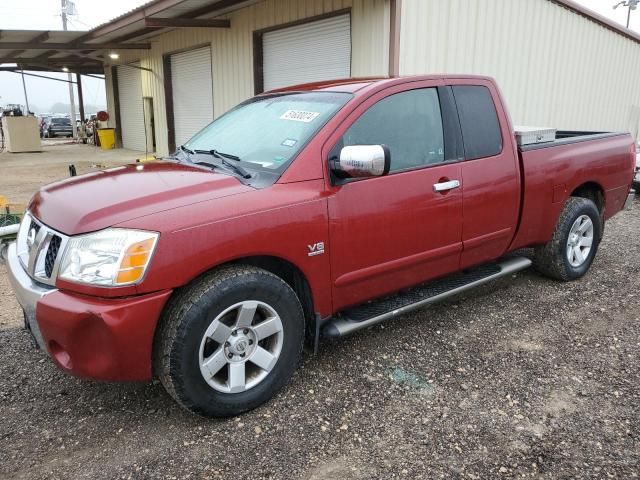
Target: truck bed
(552, 171)
(566, 137)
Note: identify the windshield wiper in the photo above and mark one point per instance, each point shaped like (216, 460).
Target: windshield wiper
(223, 159)
(187, 150)
(218, 154)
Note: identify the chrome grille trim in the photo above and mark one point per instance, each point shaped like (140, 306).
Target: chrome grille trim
(33, 243)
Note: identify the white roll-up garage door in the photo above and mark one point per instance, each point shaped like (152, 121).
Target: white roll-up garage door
(192, 92)
(309, 52)
(131, 110)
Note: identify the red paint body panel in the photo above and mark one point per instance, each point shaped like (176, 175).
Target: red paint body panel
(101, 339)
(380, 234)
(389, 233)
(102, 199)
(280, 221)
(606, 162)
(492, 186)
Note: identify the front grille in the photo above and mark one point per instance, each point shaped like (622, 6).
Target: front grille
(35, 226)
(52, 254)
(38, 248)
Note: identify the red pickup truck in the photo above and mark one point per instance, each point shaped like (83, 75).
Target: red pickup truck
(311, 211)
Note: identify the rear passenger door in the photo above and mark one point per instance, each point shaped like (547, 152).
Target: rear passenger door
(390, 232)
(490, 173)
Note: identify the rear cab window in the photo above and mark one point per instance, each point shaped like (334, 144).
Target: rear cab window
(478, 120)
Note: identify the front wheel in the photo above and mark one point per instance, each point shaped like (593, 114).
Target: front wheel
(573, 246)
(230, 341)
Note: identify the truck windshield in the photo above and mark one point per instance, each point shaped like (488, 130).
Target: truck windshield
(267, 132)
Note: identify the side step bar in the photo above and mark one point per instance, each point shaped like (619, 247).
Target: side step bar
(377, 311)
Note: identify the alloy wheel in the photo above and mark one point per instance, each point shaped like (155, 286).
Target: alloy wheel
(580, 241)
(241, 346)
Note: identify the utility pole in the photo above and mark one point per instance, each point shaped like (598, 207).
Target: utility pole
(631, 5)
(26, 98)
(64, 4)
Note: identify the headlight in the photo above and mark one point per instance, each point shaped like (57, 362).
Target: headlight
(112, 257)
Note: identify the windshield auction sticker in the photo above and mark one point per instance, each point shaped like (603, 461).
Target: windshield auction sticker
(299, 116)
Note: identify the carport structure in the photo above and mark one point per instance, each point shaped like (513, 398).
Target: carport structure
(84, 51)
(88, 52)
(42, 51)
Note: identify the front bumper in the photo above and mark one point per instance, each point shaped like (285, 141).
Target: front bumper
(90, 337)
(60, 132)
(27, 292)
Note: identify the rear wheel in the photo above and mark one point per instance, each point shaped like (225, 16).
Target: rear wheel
(230, 341)
(573, 246)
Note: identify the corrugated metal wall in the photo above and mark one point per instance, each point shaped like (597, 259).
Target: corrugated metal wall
(555, 67)
(232, 50)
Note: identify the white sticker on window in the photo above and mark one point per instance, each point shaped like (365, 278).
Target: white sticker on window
(299, 116)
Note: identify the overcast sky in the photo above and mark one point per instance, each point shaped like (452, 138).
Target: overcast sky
(45, 15)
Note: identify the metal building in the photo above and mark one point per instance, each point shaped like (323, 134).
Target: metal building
(184, 62)
(557, 64)
(194, 74)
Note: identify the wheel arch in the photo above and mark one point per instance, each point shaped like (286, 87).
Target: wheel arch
(592, 191)
(289, 273)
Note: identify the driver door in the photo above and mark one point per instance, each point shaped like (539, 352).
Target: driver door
(391, 232)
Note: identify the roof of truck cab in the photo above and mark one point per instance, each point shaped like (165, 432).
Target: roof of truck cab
(353, 85)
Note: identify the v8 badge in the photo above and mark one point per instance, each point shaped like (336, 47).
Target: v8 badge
(316, 249)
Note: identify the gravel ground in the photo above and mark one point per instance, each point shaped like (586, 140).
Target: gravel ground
(525, 377)
(24, 173)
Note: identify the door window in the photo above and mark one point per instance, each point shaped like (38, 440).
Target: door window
(408, 123)
(479, 121)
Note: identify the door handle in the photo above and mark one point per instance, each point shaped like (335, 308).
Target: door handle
(446, 186)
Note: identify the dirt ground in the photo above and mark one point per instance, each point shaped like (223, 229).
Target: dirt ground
(524, 378)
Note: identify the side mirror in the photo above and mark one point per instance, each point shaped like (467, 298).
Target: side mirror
(358, 161)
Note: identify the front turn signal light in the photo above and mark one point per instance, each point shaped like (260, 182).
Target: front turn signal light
(134, 262)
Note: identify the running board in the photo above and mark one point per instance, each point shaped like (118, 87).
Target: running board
(377, 311)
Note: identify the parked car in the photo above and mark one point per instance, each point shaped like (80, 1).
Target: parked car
(312, 211)
(58, 127)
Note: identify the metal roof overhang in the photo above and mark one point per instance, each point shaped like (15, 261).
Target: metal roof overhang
(85, 51)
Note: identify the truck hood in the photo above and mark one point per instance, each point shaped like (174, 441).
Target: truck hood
(102, 199)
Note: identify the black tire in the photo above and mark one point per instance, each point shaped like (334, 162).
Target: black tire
(551, 259)
(189, 314)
